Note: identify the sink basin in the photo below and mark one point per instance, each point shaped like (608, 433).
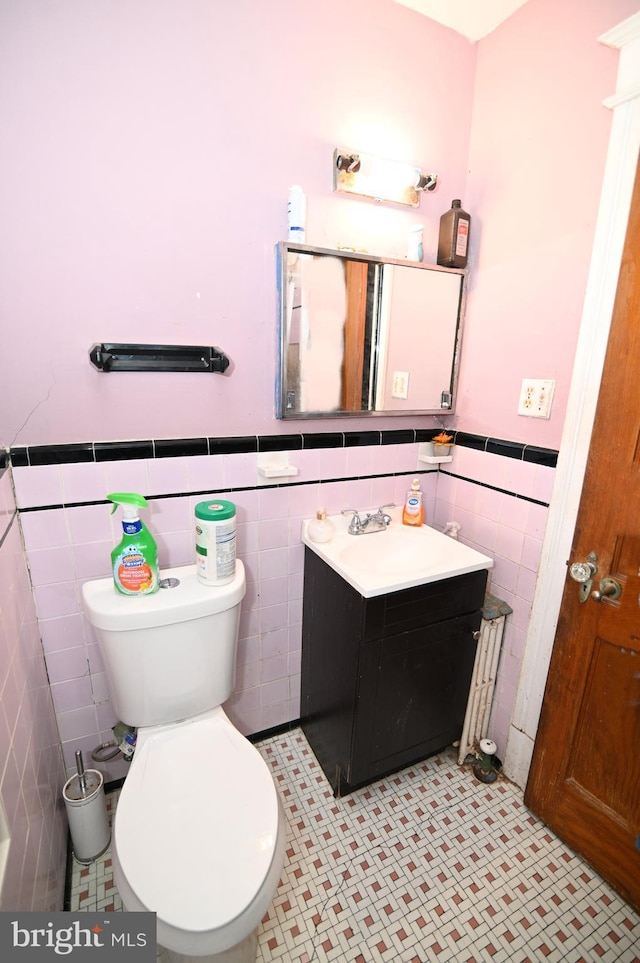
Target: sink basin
(395, 559)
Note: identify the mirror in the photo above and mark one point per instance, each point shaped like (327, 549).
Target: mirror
(365, 335)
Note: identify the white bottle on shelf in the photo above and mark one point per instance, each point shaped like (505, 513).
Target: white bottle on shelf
(415, 243)
(296, 214)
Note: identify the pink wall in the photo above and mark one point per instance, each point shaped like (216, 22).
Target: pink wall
(148, 151)
(536, 161)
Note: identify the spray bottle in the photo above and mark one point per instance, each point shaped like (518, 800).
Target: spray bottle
(135, 559)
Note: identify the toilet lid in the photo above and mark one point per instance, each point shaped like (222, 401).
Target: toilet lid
(196, 824)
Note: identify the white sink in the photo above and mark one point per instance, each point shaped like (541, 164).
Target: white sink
(397, 558)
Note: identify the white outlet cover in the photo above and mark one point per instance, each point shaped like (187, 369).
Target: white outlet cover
(400, 384)
(536, 396)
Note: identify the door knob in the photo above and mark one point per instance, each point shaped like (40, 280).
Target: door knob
(610, 588)
(583, 573)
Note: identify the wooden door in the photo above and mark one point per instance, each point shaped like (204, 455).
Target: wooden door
(354, 335)
(585, 777)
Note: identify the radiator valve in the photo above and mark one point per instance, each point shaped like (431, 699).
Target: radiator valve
(483, 768)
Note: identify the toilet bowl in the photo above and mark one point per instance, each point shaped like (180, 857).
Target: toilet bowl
(199, 834)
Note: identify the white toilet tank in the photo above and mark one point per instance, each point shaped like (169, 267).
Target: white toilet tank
(170, 655)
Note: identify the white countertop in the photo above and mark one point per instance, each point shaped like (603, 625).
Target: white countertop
(397, 558)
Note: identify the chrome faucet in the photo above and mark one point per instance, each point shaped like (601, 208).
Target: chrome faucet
(371, 522)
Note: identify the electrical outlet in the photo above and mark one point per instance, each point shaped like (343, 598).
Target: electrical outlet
(400, 384)
(535, 398)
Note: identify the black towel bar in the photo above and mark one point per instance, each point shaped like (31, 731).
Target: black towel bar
(157, 357)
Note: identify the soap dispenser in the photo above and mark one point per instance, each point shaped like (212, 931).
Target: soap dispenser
(321, 527)
(413, 511)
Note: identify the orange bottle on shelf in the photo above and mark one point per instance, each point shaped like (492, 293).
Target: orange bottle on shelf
(413, 512)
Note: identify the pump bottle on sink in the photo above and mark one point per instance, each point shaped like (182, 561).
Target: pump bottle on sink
(135, 560)
(413, 511)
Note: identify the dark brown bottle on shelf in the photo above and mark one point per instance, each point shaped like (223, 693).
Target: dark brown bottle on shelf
(453, 240)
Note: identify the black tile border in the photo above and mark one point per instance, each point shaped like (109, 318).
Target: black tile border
(31, 456)
(478, 442)
(123, 450)
(357, 439)
(19, 457)
(234, 445)
(329, 439)
(180, 446)
(280, 730)
(508, 449)
(540, 456)
(280, 443)
(61, 454)
(494, 488)
(401, 436)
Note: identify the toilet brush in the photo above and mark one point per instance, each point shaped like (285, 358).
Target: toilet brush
(82, 779)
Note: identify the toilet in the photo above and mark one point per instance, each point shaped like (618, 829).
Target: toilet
(199, 834)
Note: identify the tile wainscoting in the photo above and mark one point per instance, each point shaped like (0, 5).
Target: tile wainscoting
(498, 491)
(31, 769)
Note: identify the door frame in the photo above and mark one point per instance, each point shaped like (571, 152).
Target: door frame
(611, 224)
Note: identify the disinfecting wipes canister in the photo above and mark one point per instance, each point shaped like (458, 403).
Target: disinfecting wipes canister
(216, 541)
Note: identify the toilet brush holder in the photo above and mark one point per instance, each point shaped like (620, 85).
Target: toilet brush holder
(86, 806)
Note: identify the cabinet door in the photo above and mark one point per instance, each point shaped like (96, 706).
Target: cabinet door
(412, 695)
(331, 633)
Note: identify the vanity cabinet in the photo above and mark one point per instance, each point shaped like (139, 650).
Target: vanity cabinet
(385, 680)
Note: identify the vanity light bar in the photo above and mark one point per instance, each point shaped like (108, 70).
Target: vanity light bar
(382, 180)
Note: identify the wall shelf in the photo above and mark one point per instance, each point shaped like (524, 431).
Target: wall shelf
(427, 454)
(275, 464)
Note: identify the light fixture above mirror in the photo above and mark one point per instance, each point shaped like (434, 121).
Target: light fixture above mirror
(382, 180)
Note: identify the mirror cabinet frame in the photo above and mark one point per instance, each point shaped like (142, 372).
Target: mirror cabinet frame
(284, 387)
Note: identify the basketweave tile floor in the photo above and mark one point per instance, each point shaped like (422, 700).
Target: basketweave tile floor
(426, 865)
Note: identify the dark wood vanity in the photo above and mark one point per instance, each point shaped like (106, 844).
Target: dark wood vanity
(385, 680)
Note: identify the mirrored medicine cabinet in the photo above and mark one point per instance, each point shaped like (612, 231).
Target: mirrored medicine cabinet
(365, 335)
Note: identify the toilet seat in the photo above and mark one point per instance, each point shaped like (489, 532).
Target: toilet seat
(197, 827)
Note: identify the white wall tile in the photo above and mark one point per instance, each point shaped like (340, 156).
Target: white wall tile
(34, 878)
(84, 482)
(36, 486)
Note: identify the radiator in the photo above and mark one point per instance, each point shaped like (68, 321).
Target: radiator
(483, 680)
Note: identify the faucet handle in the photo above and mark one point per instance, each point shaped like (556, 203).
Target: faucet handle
(355, 524)
(386, 518)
